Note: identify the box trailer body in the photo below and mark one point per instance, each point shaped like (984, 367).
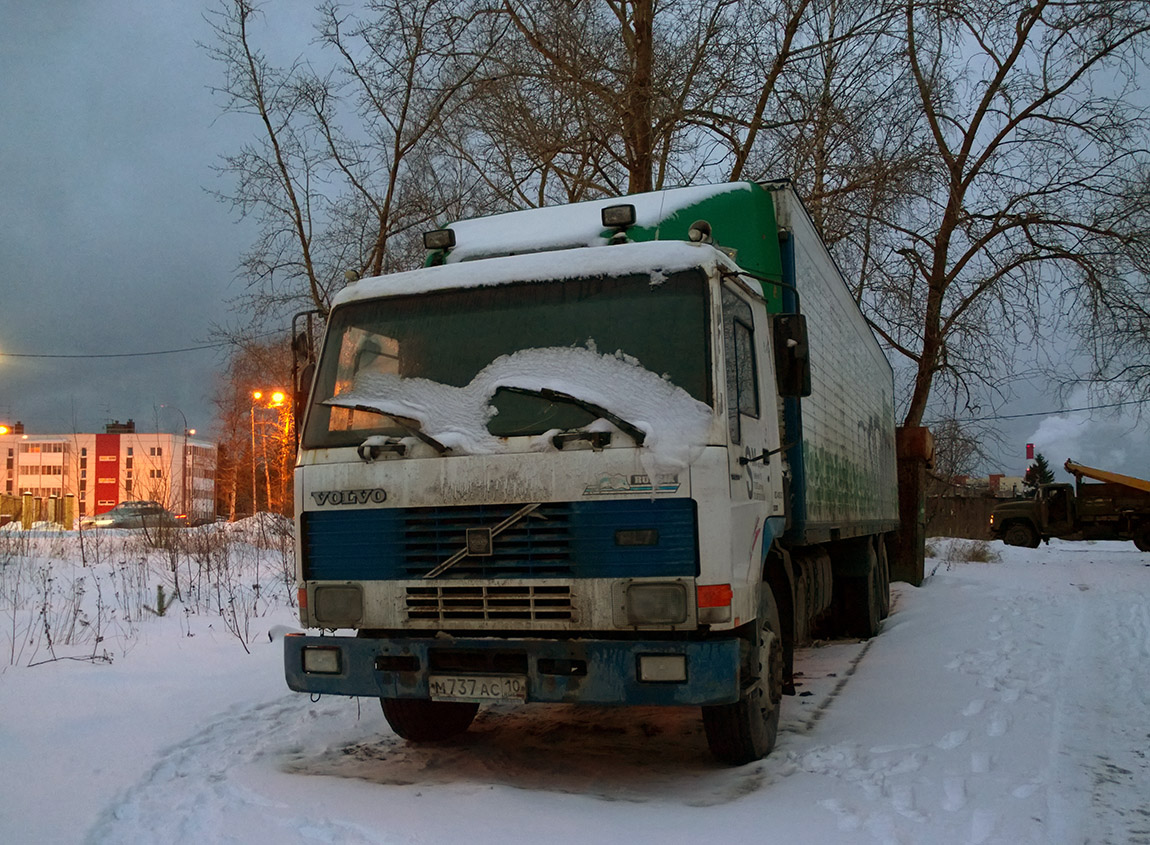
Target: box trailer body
(620, 452)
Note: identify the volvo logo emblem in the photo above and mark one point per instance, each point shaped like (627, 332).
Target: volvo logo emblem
(374, 496)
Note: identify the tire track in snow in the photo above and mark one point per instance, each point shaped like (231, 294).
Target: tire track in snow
(192, 795)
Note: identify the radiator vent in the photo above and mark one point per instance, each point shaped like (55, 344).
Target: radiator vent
(445, 603)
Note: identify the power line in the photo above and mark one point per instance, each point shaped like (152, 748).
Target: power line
(1050, 413)
(117, 354)
(215, 345)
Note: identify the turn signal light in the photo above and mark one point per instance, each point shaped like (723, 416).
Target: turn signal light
(715, 595)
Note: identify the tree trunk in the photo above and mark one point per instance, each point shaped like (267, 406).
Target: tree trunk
(640, 91)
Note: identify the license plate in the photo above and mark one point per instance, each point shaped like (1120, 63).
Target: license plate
(478, 687)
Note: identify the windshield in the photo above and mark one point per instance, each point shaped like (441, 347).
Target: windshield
(449, 337)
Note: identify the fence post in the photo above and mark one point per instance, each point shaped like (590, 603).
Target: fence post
(27, 515)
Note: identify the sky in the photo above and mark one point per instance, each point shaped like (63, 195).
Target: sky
(111, 243)
(109, 240)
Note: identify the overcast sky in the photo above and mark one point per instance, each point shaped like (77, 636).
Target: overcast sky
(110, 242)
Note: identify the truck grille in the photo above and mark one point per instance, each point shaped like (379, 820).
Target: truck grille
(444, 603)
(556, 541)
(538, 546)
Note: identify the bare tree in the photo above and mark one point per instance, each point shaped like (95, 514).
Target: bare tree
(256, 444)
(343, 176)
(600, 97)
(1037, 152)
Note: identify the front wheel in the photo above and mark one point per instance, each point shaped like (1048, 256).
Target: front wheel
(1021, 534)
(747, 730)
(422, 720)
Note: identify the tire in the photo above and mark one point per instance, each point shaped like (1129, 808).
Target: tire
(1020, 534)
(746, 731)
(860, 596)
(883, 578)
(423, 720)
(1142, 539)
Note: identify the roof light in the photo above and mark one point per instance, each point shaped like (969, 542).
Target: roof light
(439, 239)
(618, 216)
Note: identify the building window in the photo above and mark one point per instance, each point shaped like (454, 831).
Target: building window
(128, 486)
(129, 451)
(83, 462)
(83, 451)
(128, 463)
(155, 473)
(108, 458)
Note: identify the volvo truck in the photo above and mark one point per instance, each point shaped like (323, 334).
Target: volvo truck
(621, 452)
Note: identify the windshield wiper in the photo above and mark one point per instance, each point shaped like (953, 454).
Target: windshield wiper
(630, 429)
(412, 427)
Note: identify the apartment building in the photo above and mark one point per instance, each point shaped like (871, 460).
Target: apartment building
(102, 470)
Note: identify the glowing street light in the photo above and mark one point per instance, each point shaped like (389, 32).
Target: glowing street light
(275, 400)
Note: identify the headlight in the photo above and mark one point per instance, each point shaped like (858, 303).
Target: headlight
(656, 604)
(321, 661)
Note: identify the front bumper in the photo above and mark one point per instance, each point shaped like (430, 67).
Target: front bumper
(585, 671)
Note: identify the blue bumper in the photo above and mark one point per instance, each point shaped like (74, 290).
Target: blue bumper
(584, 671)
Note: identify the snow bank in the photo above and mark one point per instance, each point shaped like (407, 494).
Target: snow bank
(1002, 703)
(675, 424)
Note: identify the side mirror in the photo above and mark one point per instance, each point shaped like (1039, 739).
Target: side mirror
(302, 366)
(792, 355)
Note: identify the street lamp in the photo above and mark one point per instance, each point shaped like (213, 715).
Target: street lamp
(183, 462)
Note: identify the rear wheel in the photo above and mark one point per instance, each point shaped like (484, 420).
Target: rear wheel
(883, 578)
(422, 720)
(1020, 534)
(746, 730)
(861, 598)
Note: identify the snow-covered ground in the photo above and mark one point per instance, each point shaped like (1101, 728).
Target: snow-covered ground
(1003, 702)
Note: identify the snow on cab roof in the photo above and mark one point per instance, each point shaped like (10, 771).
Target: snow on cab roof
(653, 257)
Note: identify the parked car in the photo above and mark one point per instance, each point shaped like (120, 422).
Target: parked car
(141, 514)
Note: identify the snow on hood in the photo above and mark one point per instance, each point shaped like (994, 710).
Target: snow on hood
(676, 425)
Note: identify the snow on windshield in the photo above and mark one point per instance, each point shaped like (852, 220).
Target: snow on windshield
(676, 424)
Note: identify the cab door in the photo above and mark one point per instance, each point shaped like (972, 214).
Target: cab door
(752, 426)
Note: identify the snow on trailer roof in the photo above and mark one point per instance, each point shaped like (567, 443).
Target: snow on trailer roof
(654, 257)
(566, 226)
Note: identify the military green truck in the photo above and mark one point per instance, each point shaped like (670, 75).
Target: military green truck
(1110, 507)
